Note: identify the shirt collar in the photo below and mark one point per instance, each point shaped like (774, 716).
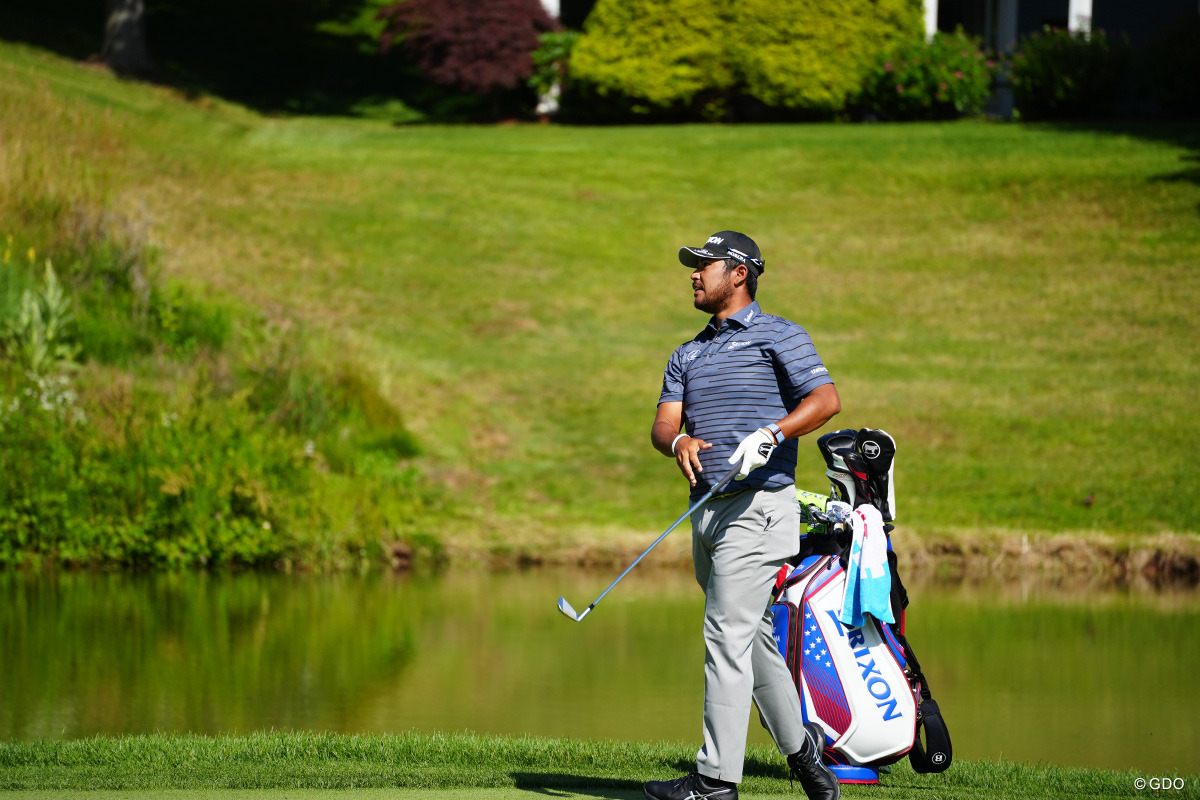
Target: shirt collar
(744, 318)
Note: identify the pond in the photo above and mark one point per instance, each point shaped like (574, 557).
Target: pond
(1024, 673)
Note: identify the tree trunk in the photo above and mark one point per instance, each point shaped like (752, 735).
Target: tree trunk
(125, 38)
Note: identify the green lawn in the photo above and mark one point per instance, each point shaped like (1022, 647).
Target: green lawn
(325, 765)
(1016, 304)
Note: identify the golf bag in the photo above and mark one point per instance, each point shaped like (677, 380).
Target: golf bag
(863, 684)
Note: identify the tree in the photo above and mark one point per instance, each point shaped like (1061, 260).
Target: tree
(467, 45)
(125, 38)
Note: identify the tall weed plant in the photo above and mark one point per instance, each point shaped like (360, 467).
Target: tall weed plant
(38, 334)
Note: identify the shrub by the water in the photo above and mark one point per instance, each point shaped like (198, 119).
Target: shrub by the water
(141, 425)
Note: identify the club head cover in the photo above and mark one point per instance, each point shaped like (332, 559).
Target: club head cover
(841, 484)
(836, 440)
(879, 450)
(862, 478)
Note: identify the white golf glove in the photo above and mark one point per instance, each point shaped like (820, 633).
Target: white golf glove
(754, 451)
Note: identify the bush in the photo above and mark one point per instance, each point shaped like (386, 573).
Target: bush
(1170, 64)
(467, 45)
(946, 78)
(655, 55)
(1057, 74)
(193, 441)
(107, 474)
(550, 61)
(796, 54)
(715, 59)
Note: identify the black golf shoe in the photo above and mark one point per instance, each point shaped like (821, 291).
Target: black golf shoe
(690, 787)
(817, 780)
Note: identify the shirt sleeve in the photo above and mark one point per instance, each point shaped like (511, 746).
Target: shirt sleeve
(672, 388)
(800, 368)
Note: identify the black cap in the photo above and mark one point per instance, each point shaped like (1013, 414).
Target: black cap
(726, 244)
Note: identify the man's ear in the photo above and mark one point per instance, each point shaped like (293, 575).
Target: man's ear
(739, 274)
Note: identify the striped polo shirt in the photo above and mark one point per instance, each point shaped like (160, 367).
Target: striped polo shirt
(750, 370)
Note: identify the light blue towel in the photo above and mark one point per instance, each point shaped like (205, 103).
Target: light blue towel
(868, 579)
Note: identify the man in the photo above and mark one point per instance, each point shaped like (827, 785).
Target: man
(745, 388)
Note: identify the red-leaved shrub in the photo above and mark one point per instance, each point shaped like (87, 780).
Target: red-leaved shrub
(467, 45)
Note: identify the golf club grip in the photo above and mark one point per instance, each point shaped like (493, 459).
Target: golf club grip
(729, 476)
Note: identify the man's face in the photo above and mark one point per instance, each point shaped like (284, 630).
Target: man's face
(711, 286)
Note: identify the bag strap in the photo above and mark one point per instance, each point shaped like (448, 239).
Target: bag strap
(936, 753)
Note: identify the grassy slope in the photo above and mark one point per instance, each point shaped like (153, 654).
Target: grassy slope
(460, 761)
(1016, 304)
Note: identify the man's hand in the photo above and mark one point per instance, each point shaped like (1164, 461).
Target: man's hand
(754, 451)
(687, 456)
(667, 439)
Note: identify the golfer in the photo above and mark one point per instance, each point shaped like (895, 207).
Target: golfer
(742, 391)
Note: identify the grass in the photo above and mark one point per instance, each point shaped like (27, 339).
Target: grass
(1016, 304)
(437, 763)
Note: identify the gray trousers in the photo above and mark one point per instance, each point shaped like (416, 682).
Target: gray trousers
(738, 545)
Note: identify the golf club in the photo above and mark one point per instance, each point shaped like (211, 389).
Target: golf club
(565, 607)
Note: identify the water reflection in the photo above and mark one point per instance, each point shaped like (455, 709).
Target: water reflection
(1027, 673)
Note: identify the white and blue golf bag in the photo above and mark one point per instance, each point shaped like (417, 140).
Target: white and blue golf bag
(861, 683)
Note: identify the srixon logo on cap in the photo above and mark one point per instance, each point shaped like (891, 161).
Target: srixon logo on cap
(714, 240)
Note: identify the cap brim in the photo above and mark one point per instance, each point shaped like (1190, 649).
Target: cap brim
(689, 256)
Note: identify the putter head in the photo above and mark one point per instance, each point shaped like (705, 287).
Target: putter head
(566, 609)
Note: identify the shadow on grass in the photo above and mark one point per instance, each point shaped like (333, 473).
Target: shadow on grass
(559, 785)
(563, 785)
(1184, 134)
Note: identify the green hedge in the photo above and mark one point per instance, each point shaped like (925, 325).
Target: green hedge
(814, 56)
(708, 58)
(657, 53)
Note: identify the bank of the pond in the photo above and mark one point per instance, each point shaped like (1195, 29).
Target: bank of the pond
(462, 761)
(1095, 558)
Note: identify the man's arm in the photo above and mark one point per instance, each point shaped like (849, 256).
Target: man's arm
(818, 407)
(665, 431)
(815, 409)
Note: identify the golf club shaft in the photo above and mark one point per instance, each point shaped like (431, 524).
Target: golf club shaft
(729, 476)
